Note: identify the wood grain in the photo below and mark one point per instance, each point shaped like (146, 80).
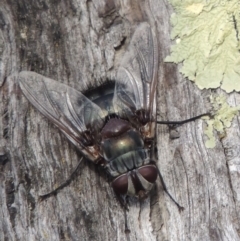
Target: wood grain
(80, 43)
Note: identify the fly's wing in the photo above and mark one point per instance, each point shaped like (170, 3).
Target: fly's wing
(73, 113)
(136, 82)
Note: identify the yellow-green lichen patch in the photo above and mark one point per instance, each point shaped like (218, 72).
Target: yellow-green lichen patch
(207, 37)
(222, 119)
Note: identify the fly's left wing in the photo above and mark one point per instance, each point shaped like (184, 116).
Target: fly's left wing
(136, 82)
(73, 113)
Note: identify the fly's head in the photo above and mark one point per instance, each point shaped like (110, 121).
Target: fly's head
(137, 182)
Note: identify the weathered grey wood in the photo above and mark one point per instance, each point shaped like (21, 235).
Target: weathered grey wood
(81, 44)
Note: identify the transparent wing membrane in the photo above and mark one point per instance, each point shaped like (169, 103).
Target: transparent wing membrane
(136, 82)
(67, 108)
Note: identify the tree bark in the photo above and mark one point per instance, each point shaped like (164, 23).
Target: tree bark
(80, 43)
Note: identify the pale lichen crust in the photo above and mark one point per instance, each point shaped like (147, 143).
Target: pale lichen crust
(222, 119)
(207, 42)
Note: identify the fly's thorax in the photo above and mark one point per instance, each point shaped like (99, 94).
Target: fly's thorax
(119, 138)
(122, 147)
(127, 160)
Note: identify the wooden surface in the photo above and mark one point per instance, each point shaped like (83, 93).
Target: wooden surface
(81, 43)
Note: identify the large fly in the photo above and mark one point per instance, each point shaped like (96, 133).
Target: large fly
(116, 128)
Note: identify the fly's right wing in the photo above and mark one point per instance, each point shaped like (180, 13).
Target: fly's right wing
(73, 113)
(136, 81)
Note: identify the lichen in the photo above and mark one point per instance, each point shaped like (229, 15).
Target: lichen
(222, 119)
(207, 42)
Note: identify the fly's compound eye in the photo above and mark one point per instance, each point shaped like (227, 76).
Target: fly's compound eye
(149, 173)
(141, 179)
(120, 184)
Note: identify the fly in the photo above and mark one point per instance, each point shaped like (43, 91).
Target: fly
(115, 126)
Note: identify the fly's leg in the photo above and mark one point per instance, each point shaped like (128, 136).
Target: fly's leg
(127, 230)
(180, 208)
(183, 121)
(123, 202)
(154, 153)
(177, 123)
(64, 184)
